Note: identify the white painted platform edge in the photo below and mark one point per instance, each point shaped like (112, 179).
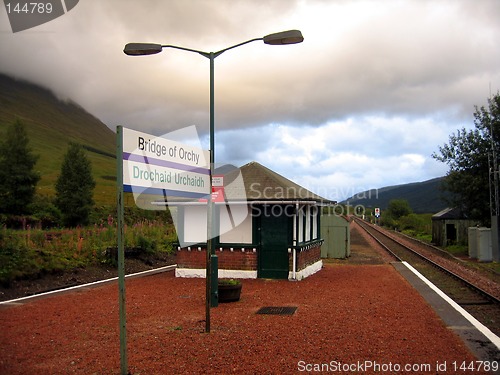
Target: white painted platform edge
(95, 283)
(483, 329)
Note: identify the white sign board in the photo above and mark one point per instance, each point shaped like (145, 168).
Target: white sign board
(218, 181)
(156, 165)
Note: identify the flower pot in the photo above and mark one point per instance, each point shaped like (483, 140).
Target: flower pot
(229, 291)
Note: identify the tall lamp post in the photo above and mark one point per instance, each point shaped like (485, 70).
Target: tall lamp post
(139, 49)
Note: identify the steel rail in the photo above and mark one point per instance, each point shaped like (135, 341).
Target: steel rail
(443, 269)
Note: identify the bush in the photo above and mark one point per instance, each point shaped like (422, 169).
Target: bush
(414, 225)
(388, 221)
(47, 214)
(16, 259)
(30, 245)
(420, 223)
(398, 208)
(30, 252)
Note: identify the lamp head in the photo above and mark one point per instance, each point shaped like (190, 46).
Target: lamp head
(284, 37)
(139, 49)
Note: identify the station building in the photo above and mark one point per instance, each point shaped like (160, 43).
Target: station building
(267, 225)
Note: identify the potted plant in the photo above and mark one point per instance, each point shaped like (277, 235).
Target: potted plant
(229, 290)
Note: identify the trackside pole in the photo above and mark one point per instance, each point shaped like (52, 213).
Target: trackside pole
(121, 253)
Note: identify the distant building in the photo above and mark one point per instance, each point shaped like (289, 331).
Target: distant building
(450, 226)
(269, 228)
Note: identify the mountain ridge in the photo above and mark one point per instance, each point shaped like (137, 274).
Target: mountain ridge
(423, 197)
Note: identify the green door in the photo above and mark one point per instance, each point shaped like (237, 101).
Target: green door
(335, 232)
(273, 256)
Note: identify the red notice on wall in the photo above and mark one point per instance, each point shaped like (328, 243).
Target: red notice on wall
(217, 189)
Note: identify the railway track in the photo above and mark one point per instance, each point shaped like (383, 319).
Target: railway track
(481, 304)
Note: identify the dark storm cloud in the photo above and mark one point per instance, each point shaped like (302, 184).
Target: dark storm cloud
(362, 63)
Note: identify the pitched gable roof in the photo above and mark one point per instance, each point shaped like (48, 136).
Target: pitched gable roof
(262, 184)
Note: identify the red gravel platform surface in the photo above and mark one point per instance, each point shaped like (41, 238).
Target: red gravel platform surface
(350, 319)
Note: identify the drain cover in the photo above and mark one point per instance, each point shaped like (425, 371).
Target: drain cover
(277, 310)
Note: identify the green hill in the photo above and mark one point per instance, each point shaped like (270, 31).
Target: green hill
(423, 197)
(51, 124)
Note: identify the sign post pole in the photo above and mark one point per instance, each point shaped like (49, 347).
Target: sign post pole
(121, 253)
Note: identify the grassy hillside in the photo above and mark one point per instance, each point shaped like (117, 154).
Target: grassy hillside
(423, 197)
(51, 125)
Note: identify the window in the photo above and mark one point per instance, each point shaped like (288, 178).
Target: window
(235, 224)
(314, 219)
(195, 224)
(300, 222)
(307, 224)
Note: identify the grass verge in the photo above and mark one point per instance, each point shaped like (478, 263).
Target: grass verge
(30, 252)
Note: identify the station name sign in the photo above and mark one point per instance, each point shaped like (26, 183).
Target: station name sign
(160, 166)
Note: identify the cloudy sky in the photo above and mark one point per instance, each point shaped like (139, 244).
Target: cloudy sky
(375, 88)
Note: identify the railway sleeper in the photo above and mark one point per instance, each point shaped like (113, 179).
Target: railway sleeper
(475, 303)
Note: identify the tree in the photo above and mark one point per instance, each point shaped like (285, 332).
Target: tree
(18, 178)
(74, 187)
(398, 208)
(469, 154)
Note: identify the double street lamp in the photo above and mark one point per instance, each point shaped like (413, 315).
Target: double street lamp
(140, 49)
